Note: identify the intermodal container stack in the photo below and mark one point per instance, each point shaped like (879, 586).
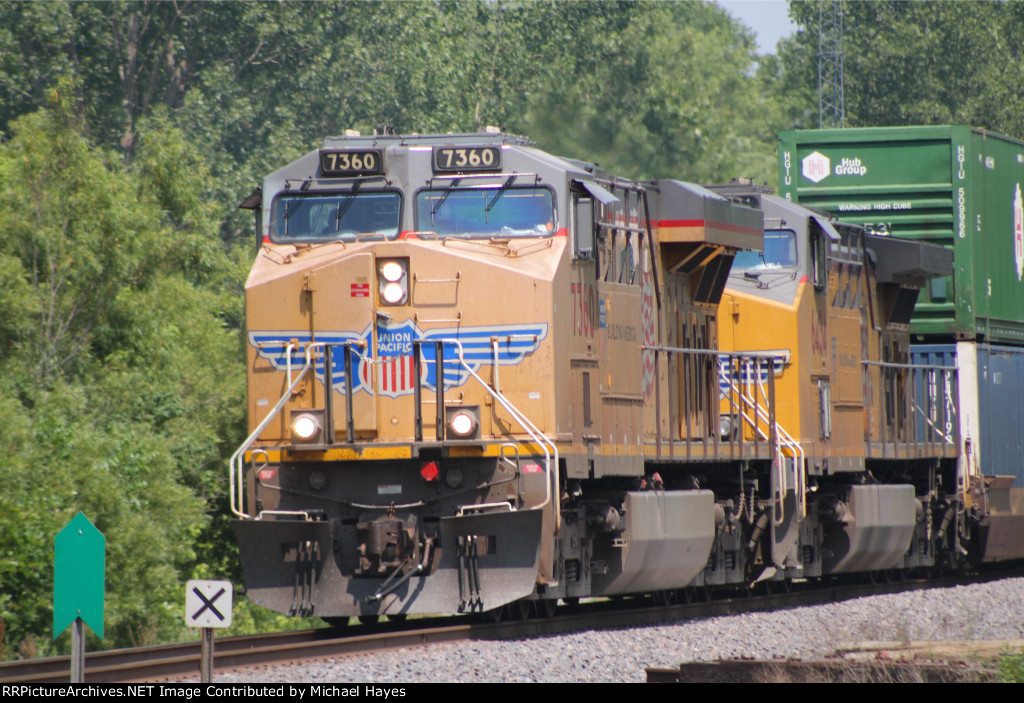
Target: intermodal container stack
(960, 187)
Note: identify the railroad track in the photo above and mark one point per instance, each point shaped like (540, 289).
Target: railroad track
(176, 661)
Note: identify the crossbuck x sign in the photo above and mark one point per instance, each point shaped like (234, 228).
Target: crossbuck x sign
(208, 603)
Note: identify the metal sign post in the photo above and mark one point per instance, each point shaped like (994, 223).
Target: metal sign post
(207, 606)
(79, 565)
(78, 651)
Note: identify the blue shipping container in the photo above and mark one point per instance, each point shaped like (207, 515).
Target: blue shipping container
(991, 395)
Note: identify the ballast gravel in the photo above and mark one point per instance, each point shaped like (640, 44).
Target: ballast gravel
(987, 611)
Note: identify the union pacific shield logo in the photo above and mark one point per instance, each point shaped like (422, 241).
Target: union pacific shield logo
(390, 369)
(394, 359)
(396, 375)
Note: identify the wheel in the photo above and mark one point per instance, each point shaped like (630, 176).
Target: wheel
(398, 617)
(571, 603)
(766, 587)
(663, 598)
(493, 615)
(687, 594)
(369, 619)
(519, 610)
(336, 622)
(546, 607)
(787, 585)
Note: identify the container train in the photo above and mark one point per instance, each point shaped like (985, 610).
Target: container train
(483, 378)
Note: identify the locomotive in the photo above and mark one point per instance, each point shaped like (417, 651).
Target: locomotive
(875, 436)
(483, 378)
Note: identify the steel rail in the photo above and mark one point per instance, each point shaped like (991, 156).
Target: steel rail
(181, 661)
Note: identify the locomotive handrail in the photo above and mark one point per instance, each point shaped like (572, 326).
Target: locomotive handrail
(799, 476)
(515, 464)
(921, 373)
(479, 176)
(495, 341)
(236, 463)
(778, 432)
(551, 469)
(897, 365)
(948, 438)
(784, 440)
(787, 440)
(458, 318)
(417, 279)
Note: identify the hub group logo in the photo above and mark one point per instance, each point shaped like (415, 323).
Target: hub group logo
(816, 167)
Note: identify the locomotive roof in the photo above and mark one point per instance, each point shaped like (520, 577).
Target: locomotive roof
(303, 170)
(788, 213)
(468, 138)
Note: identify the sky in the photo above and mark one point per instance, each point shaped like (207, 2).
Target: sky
(768, 18)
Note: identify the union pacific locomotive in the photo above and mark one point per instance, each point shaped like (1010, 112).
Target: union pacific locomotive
(483, 378)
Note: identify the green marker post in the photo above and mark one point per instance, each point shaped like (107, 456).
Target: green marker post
(79, 567)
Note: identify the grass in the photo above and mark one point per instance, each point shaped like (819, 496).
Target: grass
(1011, 668)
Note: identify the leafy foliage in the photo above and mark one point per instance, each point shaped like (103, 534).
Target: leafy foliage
(121, 382)
(677, 93)
(923, 62)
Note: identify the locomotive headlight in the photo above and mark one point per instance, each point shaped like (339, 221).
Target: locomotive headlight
(392, 271)
(463, 423)
(307, 426)
(393, 293)
(393, 281)
(725, 426)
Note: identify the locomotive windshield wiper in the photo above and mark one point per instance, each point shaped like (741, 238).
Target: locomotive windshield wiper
(444, 196)
(505, 186)
(343, 208)
(287, 215)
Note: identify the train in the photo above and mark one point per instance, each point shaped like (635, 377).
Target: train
(483, 378)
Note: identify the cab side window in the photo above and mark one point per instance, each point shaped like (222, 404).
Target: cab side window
(583, 227)
(819, 258)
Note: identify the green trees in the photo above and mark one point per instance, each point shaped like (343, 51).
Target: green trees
(924, 62)
(674, 92)
(120, 383)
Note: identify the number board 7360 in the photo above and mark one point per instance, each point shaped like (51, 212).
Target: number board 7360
(351, 163)
(468, 158)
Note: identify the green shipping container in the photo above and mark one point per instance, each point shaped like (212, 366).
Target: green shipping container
(951, 185)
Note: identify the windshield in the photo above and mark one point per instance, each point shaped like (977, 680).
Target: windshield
(492, 211)
(779, 253)
(319, 217)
